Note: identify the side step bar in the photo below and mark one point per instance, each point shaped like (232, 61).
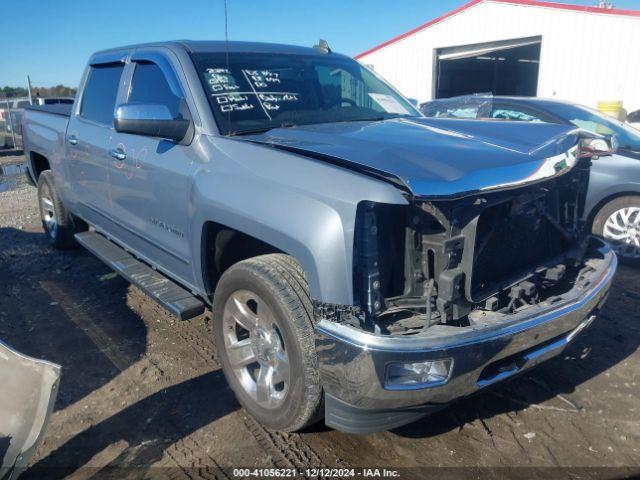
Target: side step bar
(182, 303)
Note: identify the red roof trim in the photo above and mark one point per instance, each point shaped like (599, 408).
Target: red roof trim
(575, 8)
(421, 27)
(530, 3)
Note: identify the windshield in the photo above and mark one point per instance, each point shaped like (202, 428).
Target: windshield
(594, 121)
(252, 92)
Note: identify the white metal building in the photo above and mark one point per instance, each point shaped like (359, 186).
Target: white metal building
(518, 47)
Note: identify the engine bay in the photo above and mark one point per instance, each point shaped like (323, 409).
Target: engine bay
(452, 261)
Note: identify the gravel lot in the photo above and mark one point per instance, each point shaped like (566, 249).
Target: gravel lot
(142, 394)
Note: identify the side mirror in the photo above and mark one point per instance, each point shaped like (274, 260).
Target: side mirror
(598, 147)
(413, 102)
(150, 119)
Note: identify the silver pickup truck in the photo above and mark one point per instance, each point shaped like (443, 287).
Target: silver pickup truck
(363, 263)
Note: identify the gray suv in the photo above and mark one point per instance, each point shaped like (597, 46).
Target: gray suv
(363, 263)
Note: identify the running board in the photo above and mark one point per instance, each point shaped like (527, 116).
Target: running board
(182, 303)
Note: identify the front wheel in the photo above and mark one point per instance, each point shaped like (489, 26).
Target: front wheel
(265, 342)
(618, 222)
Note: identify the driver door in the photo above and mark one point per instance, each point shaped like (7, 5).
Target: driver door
(151, 177)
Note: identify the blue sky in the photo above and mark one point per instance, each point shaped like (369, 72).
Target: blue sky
(51, 40)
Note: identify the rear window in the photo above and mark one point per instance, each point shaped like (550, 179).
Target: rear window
(99, 97)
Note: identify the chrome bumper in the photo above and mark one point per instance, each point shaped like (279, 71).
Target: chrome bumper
(353, 362)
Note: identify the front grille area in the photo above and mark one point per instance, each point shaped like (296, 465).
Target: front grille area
(511, 240)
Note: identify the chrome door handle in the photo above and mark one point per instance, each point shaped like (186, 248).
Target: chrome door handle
(72, 140)
(118, 154)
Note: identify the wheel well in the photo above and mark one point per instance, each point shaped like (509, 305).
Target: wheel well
(223, 246)
(39, 164)
(597, 207)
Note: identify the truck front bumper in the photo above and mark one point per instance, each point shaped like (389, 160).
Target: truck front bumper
(353, 363)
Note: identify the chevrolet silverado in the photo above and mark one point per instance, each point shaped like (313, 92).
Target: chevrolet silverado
(363, 264)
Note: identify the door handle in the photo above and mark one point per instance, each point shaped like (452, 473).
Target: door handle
(72, 140)
(118, 154)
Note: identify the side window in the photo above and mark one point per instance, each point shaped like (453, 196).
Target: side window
(149, 85)
(512, 113)
(593, 125)
(460, 113)
(99, 97)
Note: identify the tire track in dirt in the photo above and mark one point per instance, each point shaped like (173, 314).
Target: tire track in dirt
(185, 451)
(291, 450)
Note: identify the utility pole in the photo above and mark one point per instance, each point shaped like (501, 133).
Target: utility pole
(11, 126)
(29, 88)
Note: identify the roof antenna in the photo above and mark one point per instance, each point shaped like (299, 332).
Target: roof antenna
(226, 43)
(226, 26)
(322, 46)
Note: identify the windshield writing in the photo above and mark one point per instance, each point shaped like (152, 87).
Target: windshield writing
(256, 92)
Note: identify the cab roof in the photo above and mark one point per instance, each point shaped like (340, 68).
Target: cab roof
(220, 46)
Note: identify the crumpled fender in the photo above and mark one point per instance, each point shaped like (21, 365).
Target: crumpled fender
(27, 394)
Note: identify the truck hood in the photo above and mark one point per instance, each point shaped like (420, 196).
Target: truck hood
(436, 157)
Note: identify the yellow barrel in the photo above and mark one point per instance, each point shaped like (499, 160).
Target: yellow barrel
(612, 108)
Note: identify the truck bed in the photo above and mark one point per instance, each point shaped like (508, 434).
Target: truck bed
(63, 109)
(43, 132)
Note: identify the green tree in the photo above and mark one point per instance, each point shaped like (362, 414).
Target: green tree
(57, 91)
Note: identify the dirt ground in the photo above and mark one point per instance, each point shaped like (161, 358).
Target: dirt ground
(142, 394)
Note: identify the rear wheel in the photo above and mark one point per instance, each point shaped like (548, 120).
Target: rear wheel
(265, 342)
(57, 223)
(618, 222)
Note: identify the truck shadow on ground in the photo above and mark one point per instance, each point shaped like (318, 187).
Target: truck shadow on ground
(68, 308)
(151, 424)
(56, 307)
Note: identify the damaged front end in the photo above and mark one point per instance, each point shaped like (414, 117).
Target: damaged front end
(454, 294)
(446, 261)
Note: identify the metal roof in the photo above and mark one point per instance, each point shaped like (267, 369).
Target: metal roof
(527, 3)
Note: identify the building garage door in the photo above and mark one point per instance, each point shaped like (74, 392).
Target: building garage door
(508, 67)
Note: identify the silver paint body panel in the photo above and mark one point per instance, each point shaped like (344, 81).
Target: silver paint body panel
(28, 394)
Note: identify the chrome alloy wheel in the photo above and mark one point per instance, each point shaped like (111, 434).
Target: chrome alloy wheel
(622, 230)
(256, 350)
(48, 212)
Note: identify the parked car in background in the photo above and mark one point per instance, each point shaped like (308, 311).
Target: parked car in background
(612, 209)
(11, 107)
(633, 119)
(52, 100)
(363, 263)
(14, 107)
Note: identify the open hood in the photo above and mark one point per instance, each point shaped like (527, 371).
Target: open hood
(436, 157)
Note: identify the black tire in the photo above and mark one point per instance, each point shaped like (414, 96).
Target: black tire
(598, 225)
(59, 231)
(279, 281)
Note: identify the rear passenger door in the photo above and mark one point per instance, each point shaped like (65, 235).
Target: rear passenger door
(88, 137)
(150, 187)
